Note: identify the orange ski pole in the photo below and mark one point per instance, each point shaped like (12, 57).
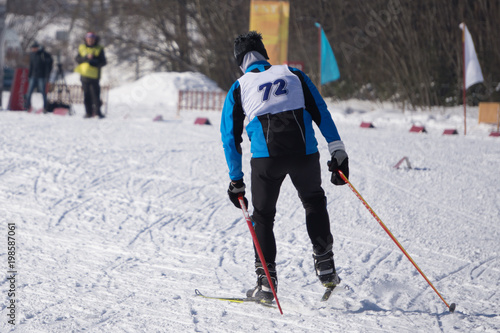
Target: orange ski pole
(450, 307)
(257, 247)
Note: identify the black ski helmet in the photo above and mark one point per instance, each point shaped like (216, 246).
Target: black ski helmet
(251, 41)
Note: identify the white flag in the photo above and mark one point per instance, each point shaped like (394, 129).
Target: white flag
(472, 69)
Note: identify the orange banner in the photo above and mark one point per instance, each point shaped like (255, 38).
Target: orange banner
(271, 19)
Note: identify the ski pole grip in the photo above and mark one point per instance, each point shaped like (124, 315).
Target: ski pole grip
(344, 178)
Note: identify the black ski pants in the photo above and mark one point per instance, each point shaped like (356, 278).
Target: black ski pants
(91, 96)
(267, 176)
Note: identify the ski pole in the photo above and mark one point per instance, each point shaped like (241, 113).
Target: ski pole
(450, 307)
(257, 247)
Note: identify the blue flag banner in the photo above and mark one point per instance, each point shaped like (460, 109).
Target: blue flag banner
(329, 68)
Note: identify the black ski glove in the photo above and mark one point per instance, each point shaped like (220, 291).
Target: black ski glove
(339, 161)
(235, 189)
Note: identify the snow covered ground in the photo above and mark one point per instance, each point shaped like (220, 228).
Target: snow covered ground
(118, 221)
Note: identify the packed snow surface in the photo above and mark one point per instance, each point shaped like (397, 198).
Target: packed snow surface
(118, 221)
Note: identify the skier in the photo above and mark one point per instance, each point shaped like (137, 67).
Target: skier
(280, 102)
(91, 59)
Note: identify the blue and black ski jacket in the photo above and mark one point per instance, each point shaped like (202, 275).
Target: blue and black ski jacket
(281, 103)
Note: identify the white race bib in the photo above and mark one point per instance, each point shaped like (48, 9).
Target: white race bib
(272, 91)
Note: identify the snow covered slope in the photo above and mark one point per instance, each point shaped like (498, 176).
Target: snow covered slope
(119, 220)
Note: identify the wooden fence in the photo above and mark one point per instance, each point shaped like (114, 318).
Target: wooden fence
(73, 94)
(200, 100)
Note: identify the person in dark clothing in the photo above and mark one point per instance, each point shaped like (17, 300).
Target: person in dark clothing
(91, 59)
(281, 104)
(39, 72)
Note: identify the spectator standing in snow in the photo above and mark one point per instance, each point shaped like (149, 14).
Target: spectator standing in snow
(39, 72)
(91, 59)
(281, 103)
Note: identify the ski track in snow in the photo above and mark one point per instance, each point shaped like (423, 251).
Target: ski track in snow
(119, 220)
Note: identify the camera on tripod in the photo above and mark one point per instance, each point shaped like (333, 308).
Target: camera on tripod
(60, 96)
(63, 95)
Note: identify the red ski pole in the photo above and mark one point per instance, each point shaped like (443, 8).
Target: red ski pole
(450, 307)
(257, 247)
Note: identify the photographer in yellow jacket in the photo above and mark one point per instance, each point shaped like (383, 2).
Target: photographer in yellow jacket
(91, 59)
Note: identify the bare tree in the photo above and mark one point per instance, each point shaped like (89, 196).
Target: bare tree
(399, 50)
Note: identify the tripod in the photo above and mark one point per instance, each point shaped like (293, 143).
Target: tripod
(60, 84)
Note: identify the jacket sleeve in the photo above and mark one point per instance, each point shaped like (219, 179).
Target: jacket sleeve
(30, 71)
(79, 58)
(99, 61)
(231, 131)
(316, 106)
(50, 64)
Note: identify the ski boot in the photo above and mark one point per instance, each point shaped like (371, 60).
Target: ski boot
(262, 291)
(325, 269)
